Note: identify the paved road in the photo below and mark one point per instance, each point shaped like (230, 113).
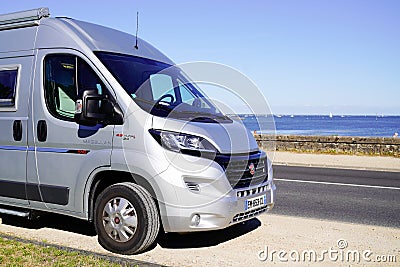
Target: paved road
(369, 197)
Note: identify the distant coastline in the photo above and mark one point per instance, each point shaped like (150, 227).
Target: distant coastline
(378, 125)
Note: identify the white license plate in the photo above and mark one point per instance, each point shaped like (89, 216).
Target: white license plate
(254, 203)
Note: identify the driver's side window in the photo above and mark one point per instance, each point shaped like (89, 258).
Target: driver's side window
(161, 85)
(66, 76)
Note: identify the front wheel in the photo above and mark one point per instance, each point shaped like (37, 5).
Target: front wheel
(126, 219)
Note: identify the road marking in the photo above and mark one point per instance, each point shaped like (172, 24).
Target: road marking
(341, 184)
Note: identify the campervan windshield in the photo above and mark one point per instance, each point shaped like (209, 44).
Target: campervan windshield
(161, 89)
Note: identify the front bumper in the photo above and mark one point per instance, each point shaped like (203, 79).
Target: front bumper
(218, 215)
(207, 201)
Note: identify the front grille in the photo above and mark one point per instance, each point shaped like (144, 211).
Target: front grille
(239, 174)
(249, 214)
(237, 168)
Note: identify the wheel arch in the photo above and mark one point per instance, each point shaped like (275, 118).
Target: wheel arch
(106, 178)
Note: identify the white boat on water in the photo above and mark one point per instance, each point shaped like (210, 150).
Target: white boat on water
(330, 115)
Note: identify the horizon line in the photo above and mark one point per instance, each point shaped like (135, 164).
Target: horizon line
(380, 115)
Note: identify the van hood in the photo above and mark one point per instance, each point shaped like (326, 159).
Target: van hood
(228, 138)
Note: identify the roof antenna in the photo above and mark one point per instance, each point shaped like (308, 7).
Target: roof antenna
(137, 28)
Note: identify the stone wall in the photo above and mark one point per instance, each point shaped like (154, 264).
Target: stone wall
(382, 146)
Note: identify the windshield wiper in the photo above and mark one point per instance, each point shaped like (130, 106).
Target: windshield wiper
(203, 115)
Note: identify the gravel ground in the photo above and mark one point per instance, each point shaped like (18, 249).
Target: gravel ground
(239, 245)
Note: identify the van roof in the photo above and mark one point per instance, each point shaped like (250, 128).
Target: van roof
(101, 38)
(70, 33)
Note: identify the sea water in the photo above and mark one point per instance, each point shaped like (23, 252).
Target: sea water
(367, 126)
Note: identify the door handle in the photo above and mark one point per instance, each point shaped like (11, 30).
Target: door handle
(42, 131)
(17, 130)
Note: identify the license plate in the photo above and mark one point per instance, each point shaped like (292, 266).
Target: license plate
(256, 202)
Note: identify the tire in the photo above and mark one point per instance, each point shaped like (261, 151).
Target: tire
(126, 219)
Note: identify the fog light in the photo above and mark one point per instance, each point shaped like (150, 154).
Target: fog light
(195, 220)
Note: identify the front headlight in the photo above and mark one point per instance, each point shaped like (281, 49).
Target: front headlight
(184, 143)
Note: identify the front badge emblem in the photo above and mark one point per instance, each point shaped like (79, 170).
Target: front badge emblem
(252, 168)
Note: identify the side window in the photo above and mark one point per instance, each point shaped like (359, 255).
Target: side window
(60, 86)
(67, 76)
(8, 86)
(161, 84)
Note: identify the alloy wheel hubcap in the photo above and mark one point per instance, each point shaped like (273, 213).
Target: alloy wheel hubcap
(119, 219)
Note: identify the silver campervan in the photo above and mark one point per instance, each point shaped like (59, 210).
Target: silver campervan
(99, 127)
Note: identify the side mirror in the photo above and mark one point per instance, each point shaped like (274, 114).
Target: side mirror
(94, 108)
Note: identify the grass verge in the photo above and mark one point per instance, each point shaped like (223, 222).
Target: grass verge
(14, 252)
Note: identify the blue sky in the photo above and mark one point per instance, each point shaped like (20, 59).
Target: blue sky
(306, 56)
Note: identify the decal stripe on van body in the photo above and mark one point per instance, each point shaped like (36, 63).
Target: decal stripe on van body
(46, 149)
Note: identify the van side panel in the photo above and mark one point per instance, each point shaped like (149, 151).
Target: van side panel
(23, 39)
(14, 131)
